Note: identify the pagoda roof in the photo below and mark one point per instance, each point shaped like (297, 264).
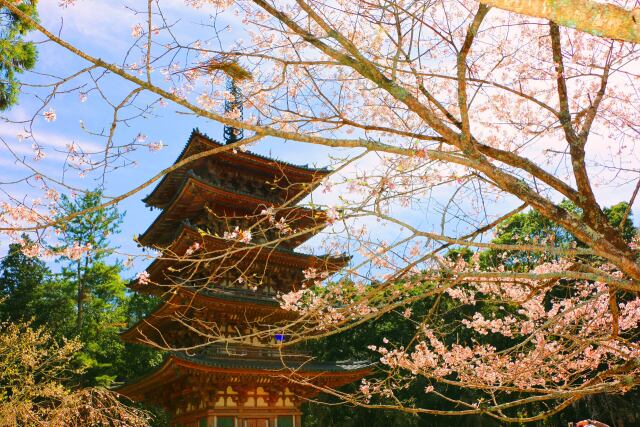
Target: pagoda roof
(199, 142)
(181, 365)
(195, 193)
(217, 301)
(236, 295)
(200, 360)
(187, 235)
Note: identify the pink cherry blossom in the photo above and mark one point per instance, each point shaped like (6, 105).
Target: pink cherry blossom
(143, 278)
(136, 31)
(156, 146)
(50, 115)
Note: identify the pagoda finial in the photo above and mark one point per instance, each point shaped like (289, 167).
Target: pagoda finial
(233, 107)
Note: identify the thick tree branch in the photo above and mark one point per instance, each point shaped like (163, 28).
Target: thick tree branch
(600, 237)
(599, 19)
(462, 72)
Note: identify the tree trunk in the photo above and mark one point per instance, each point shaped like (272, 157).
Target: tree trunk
(79, 299)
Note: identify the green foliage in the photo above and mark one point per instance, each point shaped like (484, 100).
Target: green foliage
(98, 290)
(103, 307)
(616, 214)
(138, 359)
(524, 228)
(16, 54)
(532, 228)
(94, 277)
(29, 292)
(21, 285)
(87, 300)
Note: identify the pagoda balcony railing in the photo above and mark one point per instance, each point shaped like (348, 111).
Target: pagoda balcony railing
(246, 294)
(252, 352)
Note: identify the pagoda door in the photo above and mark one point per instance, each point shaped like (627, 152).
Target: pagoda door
(255, 422)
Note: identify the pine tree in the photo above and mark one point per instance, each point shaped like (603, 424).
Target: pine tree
(96, 281)
(102, 305)
(22, 283)
(16, 54)
(99, 291)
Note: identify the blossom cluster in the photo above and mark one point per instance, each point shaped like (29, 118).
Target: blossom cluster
(546, 341)
(243, 236)
(73, 252)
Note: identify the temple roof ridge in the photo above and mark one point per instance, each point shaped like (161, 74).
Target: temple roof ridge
(191, 173)
(170, 301)
(192, 178)
(324, 169)
(337, 369)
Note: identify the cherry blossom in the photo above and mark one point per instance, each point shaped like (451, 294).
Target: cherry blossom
(156, 146)
(243, 236)
(136, 31)
(143, 278)
(50, 115)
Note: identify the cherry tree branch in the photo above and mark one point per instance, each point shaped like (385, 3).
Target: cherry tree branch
(597, 18)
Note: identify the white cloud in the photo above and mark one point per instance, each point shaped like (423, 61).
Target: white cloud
(102, 22)
(44, 138)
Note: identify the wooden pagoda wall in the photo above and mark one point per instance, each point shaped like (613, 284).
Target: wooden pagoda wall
(242, 407)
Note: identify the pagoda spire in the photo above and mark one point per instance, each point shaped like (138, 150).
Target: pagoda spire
(234, 108)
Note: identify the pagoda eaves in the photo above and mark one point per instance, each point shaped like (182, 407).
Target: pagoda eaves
(197, 199)
(202, 309)
(203, 389)
(245, 161)
(163, 269)
(218, 276)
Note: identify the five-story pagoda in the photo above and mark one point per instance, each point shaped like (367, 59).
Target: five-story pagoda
(227, 233)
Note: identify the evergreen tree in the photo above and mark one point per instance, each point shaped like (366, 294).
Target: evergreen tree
(16, 54)
(22, 280)
(97, 282)
(93, 283)
(97, 290)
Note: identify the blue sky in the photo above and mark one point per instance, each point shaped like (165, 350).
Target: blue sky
(103, 28)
